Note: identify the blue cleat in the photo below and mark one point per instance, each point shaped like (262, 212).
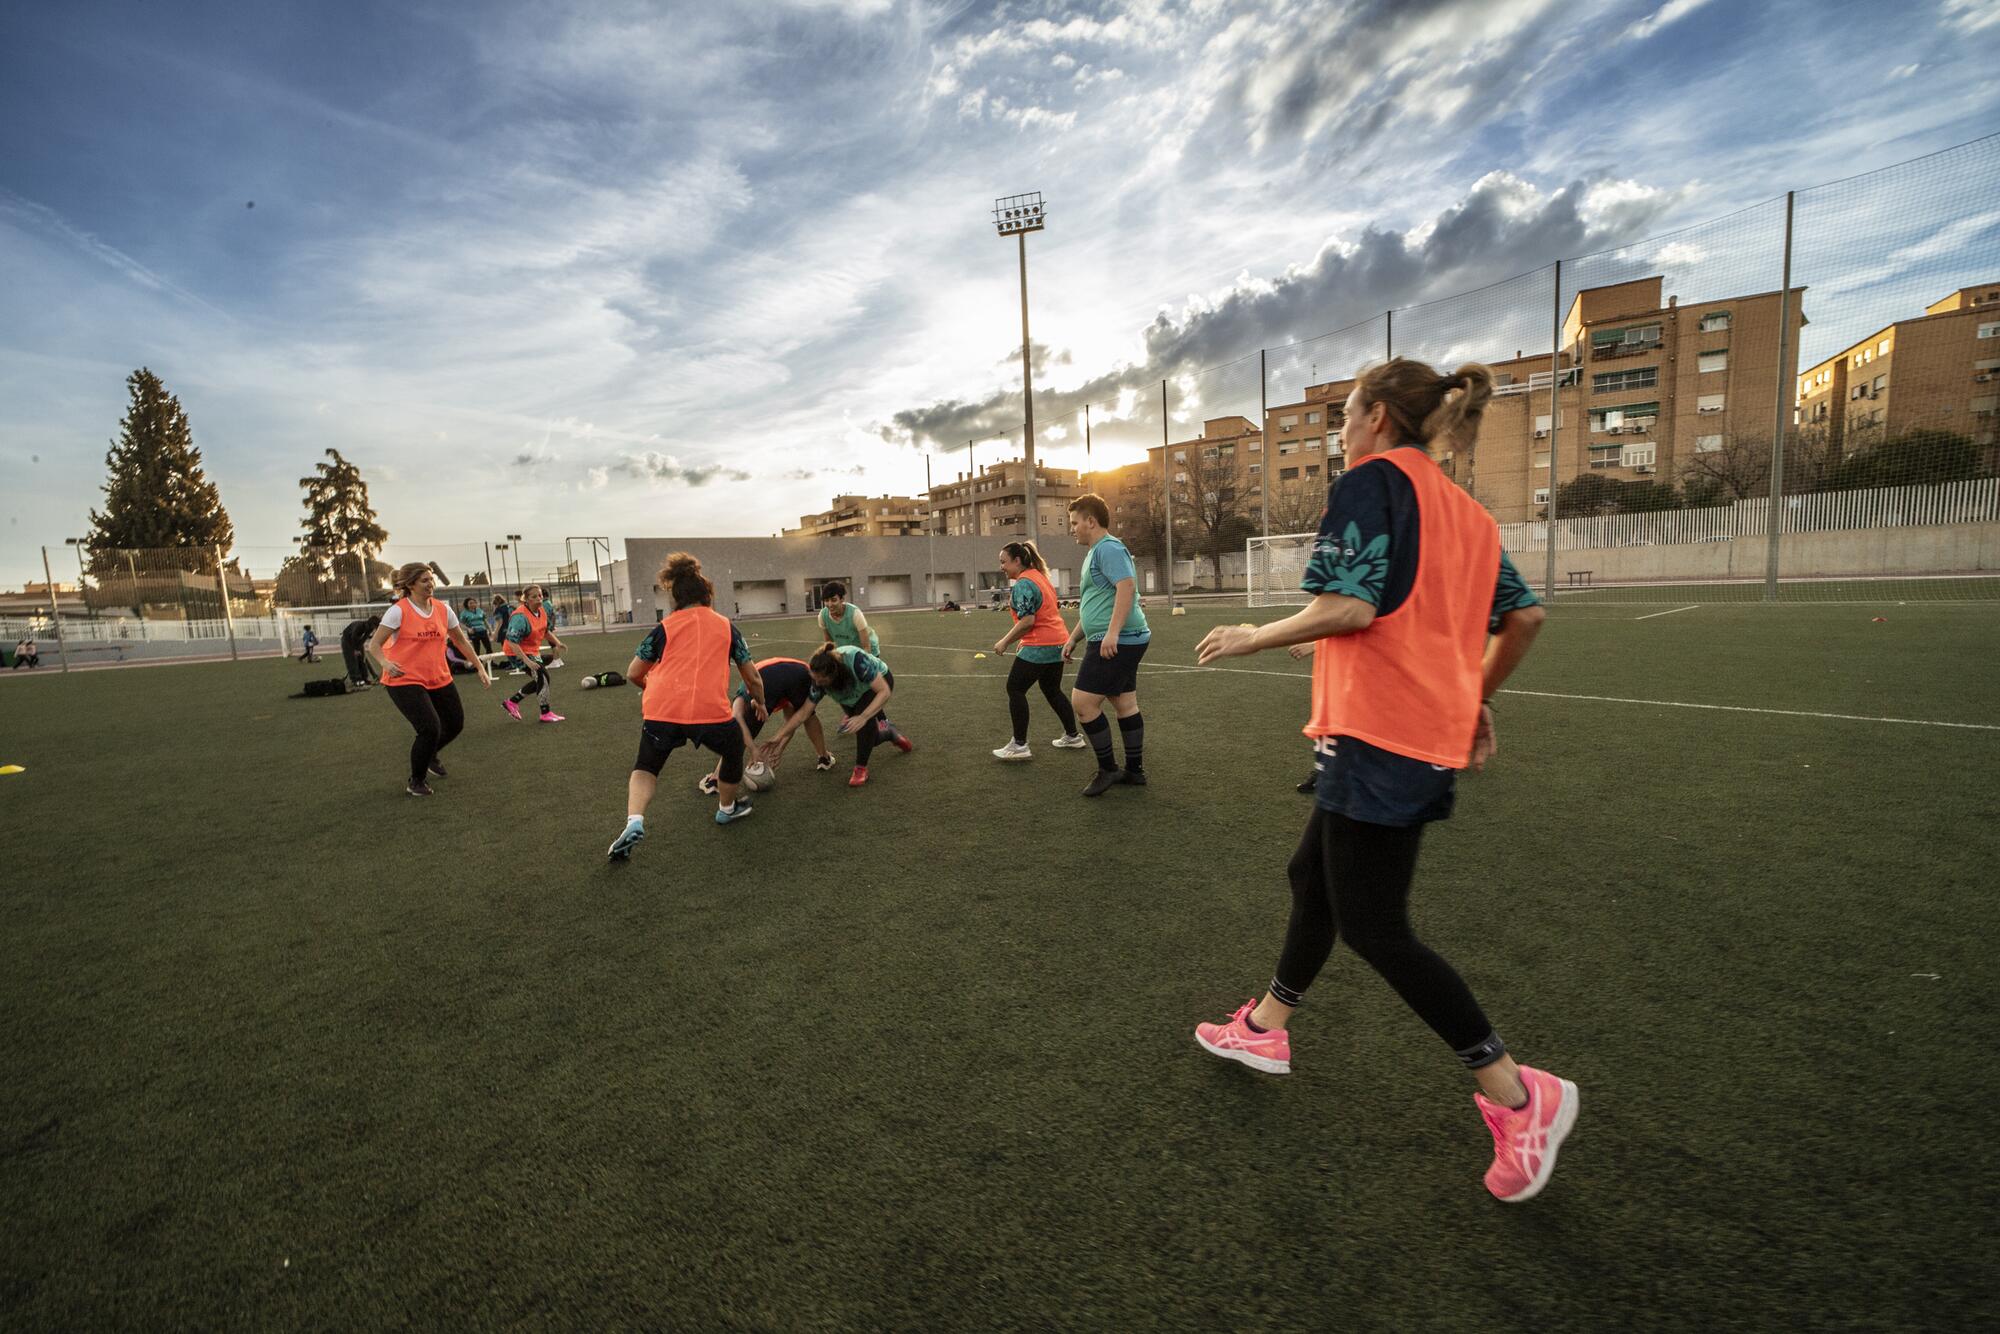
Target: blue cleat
(725, 814)
(621, 847)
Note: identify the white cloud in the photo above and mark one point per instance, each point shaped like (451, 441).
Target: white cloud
(1971, 15)
(1670, 12)
(1903, 71)
(1679, 254)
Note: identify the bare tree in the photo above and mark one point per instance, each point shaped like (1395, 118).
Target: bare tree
(1208, 506)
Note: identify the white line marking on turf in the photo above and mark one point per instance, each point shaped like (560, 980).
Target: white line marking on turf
(1744, 708)
(1690, 607)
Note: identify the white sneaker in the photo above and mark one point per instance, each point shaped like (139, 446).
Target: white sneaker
(1075, 741)
(1013, 750)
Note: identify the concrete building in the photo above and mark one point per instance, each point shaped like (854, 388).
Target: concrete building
(1939, 370)
(768, 576)
(866, 516)
(994, 503)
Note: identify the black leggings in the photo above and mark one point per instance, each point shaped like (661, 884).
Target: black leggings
(1353, 879)
(438, 717)
(480, 643)
(869, 733)
(1047, 675)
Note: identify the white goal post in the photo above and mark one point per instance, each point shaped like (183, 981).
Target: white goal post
(1275, 566)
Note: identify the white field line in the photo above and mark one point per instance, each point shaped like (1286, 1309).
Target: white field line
(1690, 607)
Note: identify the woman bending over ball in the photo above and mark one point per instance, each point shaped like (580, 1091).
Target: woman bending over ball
(408, 649)
(1041, 633)
(1417, 616)
(788, 686)
(683, 669)
(861, 684)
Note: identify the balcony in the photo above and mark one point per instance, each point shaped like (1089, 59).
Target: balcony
(1614, 351)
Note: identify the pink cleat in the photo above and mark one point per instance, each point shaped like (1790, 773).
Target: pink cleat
(859, 776)
(513, 709)
(1525, 1139)
(1269, 1051)
(552, 717)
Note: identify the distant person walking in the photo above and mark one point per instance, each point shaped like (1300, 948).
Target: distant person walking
(473, 618)
(309, 640)
(410, 644)
(1039, 630)
(26, 655)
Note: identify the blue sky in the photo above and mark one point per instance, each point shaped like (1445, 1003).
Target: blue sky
(690, 269)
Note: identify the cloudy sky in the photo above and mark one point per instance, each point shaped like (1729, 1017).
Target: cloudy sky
(685, 269)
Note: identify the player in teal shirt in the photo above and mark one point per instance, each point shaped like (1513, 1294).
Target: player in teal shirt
(861, 684)
(1111, 628)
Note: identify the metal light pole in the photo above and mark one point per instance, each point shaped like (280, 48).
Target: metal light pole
(1016, 216)
(501, 547)
(930, 533)
(78, 543)
(515, 539)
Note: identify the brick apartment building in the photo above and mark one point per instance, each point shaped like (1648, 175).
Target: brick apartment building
(994, 502)
(865, 516)
(1939, 370)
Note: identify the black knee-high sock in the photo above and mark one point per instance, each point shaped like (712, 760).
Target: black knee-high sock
(1133, 729)
(1098, 730)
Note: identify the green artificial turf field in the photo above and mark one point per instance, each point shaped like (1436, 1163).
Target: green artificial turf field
(285, 1047)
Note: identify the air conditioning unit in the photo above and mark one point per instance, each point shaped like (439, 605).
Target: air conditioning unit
(1645, 467)
(1983, 377)
(1708, 409)
(1543, 435)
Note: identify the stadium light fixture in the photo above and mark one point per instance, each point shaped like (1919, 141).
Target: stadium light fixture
(1016, 216)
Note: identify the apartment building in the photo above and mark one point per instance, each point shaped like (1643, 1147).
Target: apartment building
(1939, 370)
(994, 503)
(865, 516)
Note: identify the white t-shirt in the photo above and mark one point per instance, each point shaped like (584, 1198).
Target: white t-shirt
(392, 619)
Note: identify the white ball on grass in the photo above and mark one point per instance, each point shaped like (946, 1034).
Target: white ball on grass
(759, 777)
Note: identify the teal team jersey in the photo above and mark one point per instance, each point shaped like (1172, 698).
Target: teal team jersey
(1108, 563)
(843, 633)
(862, 669)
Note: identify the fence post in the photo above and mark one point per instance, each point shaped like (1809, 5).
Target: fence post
(228, 619)
(1263, 454)
(1555, 425)
(1389, 335)
(1167, 475)
(55, 611)
(1774, 522)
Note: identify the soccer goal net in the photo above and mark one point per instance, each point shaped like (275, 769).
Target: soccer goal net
(1277, 566)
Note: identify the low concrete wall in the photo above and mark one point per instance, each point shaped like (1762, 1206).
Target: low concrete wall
(1962, 548)
(802, 562)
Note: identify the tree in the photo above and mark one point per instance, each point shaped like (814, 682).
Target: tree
(1646, 497)
(1207, 506)
(1296, 507)
(157, 495)
(1590, 494)
(1914, 458)
(337, 549)
(1741, 468)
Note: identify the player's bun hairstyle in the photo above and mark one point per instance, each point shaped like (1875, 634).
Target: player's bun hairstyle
(827, 663)
(833, 588)
(1026, 553)
(1093, 505)
(1427, 408)
(682, 577)
(407, 575)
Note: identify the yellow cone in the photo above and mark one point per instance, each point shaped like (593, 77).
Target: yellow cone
(11, 769)
(977, 656)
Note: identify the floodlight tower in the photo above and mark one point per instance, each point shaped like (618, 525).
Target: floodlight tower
(1016, 216)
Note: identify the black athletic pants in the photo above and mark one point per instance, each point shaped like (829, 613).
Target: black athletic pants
(866, 737)
(438, 717)
(1353, 879)
(359, 669)
(480, 643)
(1047, 675)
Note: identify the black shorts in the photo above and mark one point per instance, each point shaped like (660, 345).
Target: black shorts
(1110, 676)
(756, 724)
(659, 740)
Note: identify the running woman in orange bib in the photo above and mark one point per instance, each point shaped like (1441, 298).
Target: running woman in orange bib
(524, 633)
(1418, 616)
(1039, 630)
(683, 668)
(408, 647)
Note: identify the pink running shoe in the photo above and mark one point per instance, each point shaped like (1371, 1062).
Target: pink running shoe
(1269, 1051)
(513, 709)
(859, 776)
(552, 718)
(1525, 1140)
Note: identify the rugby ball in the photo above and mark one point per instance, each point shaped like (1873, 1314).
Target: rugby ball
(759, 777)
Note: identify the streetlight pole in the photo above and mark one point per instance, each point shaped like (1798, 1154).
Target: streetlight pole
(1016, 216)
(78, 543)
(515, 540)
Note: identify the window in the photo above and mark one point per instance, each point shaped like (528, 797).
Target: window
(1541, 459)
(1709, 403)
(1209, 453)
(1541, 495)
(1604, 456)
(1639, 336)
(1180, 456)
(1713, 361)
(1229, 451)
(1542, 424)
(1288, 423)
(1708, 444)
(1256, 446)
(1632, 417)
(1638, 455)
(1881, 383)
(1180, 477)
(1882, 348)
(1288, 447)
(1288, 474)
(1716, 321)
(1312, 470)
(1983, 407)
(1256, 468)
(1312, 419)
(1613, 382)
(1990, 330)
(1311, 445)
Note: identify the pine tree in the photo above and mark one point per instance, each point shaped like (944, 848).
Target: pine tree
(157, 495)
(337, 549)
